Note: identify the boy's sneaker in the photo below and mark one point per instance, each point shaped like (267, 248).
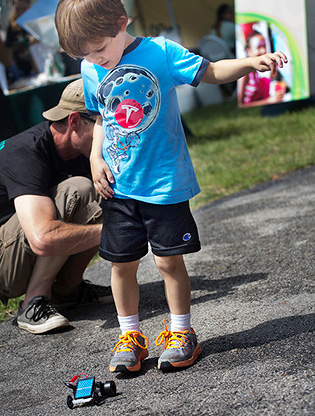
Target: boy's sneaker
(40, 316)
(130, 350)
(181, 349)
(85, 294)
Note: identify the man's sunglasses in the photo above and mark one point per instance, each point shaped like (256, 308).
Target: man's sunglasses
(87, 117)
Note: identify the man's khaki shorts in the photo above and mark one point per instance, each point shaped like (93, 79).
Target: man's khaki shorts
(75, 201)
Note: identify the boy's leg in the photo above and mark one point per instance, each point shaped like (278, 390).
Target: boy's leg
(177, 283)
(125, 287)
(131, 348)
(181, 347)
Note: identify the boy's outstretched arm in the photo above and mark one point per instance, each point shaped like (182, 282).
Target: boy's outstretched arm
(229, 70)
(102, 175)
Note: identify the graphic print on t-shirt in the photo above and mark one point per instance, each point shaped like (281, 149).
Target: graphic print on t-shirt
(131, 99)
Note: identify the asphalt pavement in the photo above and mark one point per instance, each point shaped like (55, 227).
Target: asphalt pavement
(252, 308)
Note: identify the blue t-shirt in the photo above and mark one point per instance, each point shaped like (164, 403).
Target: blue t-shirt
(145, 145)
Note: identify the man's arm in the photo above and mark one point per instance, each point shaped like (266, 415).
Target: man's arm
(49, 236)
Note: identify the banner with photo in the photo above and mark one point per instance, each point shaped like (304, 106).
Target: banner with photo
(271, 26)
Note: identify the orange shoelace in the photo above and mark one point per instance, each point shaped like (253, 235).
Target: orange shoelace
(128, 341)
(172, 339)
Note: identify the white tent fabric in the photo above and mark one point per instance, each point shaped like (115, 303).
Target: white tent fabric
(191, 21)
(214, 48)
(194, 19)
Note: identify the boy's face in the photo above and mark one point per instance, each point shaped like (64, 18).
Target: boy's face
(106, 52)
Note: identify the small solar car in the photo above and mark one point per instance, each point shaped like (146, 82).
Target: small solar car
(87, 390)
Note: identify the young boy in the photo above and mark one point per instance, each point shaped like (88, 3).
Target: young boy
(140, 163)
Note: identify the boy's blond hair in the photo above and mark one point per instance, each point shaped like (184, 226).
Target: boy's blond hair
(80, 21)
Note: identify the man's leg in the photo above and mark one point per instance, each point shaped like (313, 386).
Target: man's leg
(77, 202)
(21, 271)
(71, 274)
(43, 276)
(16, 260)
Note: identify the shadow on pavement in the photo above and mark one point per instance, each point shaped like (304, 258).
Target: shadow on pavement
(262, 334)
(151, 306)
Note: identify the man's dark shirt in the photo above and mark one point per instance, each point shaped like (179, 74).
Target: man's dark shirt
(31, 165)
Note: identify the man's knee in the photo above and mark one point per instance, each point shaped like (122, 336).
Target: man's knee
(16, 260)
(76, 200)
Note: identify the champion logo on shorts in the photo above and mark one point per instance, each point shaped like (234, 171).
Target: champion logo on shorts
(187, 237)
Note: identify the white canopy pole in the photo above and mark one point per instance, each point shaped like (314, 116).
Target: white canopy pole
(172, 17)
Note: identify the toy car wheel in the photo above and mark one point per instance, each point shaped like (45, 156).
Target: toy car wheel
(96, 398)
(70, 402)
(109, 388)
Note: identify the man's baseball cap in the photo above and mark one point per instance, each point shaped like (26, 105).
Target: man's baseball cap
(72, 99)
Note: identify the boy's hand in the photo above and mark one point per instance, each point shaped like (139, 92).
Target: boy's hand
(269, 62)
(102, 177)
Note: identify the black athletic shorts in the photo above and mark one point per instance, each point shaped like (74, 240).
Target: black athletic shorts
(128, 226)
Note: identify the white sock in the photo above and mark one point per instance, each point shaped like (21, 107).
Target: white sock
(180, 322)
(129, 323)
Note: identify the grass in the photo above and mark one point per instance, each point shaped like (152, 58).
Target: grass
(234, 149)
(10, 308)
